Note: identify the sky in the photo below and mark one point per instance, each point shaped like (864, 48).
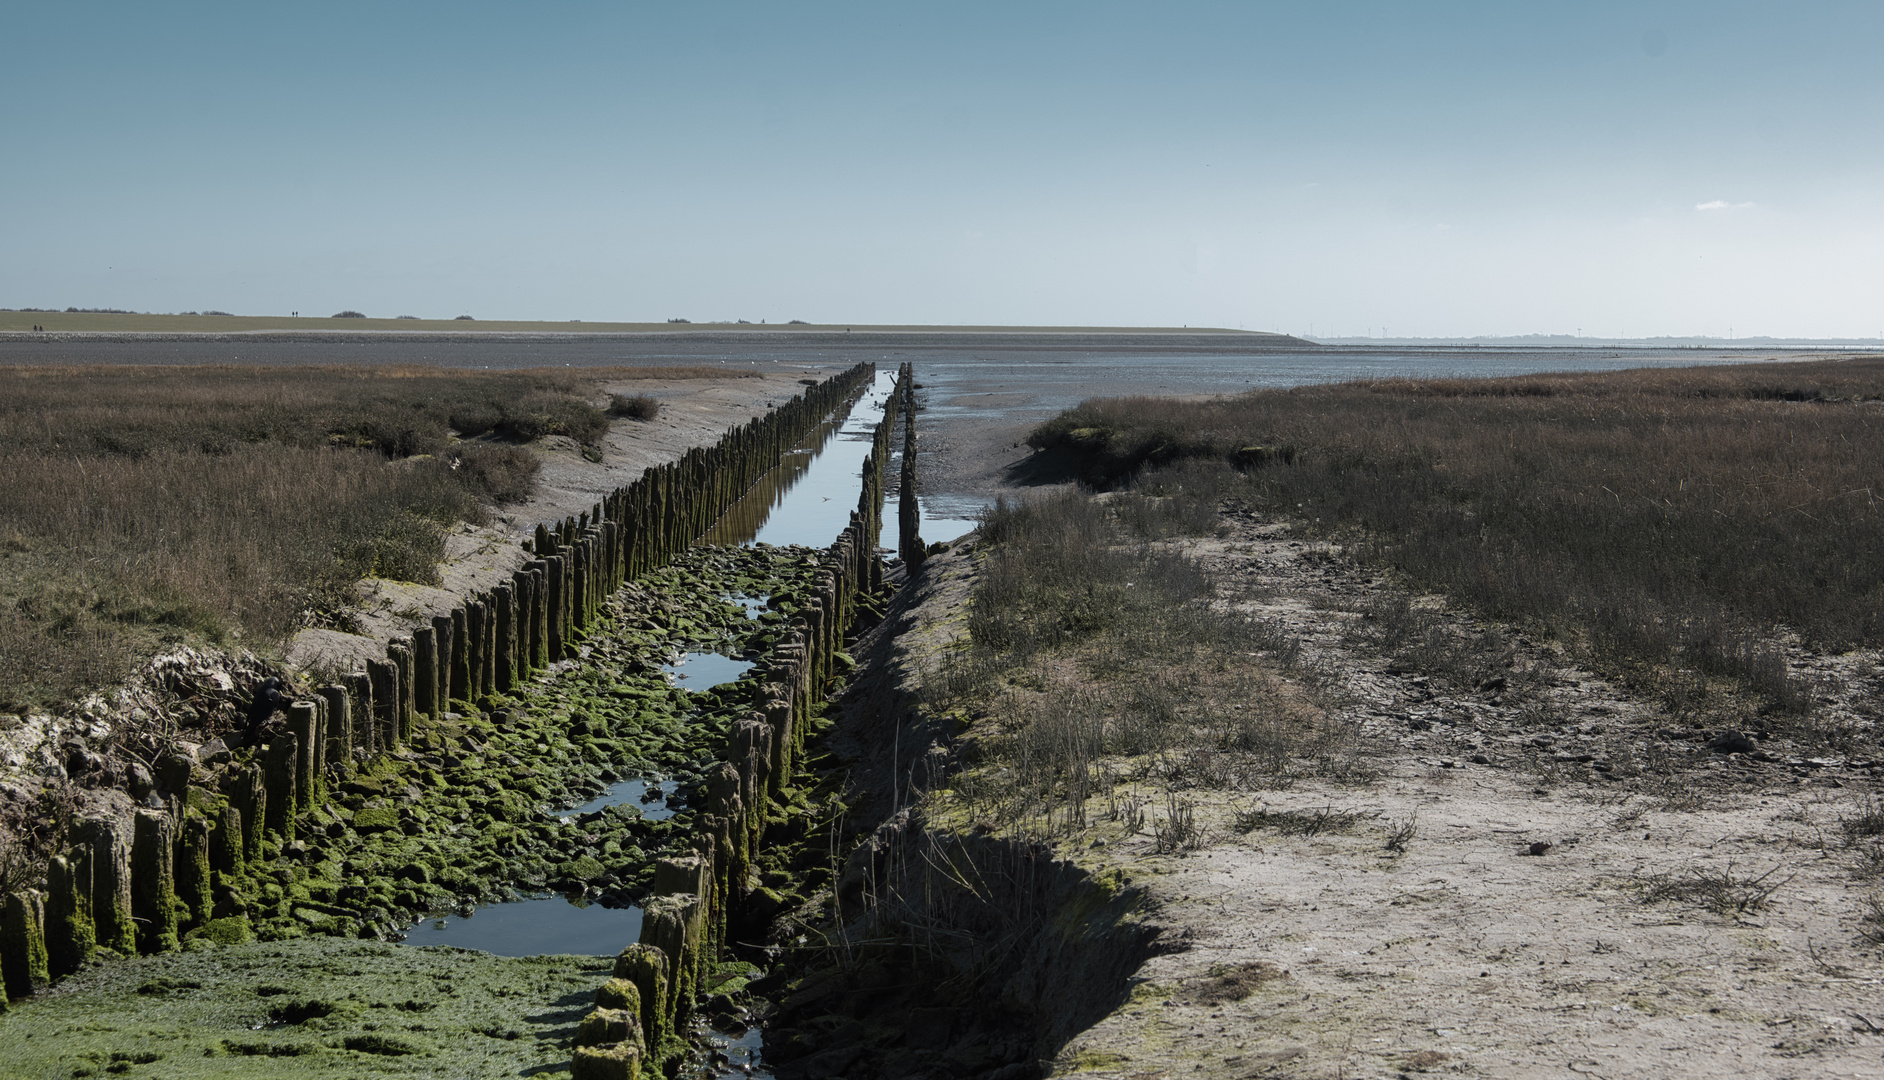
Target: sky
(1324, 168)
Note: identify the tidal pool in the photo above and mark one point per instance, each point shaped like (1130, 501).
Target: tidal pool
(538, 926)
(706, 670)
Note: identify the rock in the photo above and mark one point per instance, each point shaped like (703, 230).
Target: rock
(138, 780)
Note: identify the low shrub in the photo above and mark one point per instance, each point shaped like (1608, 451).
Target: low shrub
(634, 406)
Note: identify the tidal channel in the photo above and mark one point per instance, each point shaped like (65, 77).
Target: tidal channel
(804, 501)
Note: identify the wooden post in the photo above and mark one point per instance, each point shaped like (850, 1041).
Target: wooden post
(70, 940)
(425, 671)
(112, 924)
(303, 724)
(360, 689)
(339, 751)
(441, 631)
(192, 868)
(555, 616)
(460, 657)
(385, 679)
(401, 656)
(504, 602)
(153, 881)
(23, 963)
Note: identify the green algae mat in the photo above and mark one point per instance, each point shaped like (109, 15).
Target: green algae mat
(308, 1008)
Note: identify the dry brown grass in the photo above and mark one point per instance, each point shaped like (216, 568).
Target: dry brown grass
(1097, 660)
(1664, 517)
(144, 504)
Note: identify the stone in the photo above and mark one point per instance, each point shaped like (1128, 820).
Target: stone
(1732, 742)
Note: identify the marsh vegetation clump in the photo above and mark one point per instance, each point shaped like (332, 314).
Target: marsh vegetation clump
(1097, 660)
(634, 406)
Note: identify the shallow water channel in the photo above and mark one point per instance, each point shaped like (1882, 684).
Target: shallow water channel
(806, 500)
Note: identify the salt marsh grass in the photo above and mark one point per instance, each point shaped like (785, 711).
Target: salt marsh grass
(1670, 519)
(144, 504)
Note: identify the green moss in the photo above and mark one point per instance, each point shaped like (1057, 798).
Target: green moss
(339, 1009)
(377, 819)
(231, 930)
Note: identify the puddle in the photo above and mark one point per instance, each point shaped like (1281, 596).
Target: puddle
(706, 670)
(539, 926)
(807, 498)
(630, 792)
(948, 517)
(755, 605)
(735, 1056)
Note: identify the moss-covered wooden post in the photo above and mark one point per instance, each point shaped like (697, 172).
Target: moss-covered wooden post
(225, 848)
(579, 584)
(399, 654)
(487, 675)
(110, 846)
(365, 735)
(23, 944)
(303, 725)
(442, 645)
(153, 881)
(555, 617)
(504, 603)
(474, 649)
(384, 675)
(425, 671)
(279, 772)
(192, 869)
(461, 689)
(646, 966)
(70, 939)
(520, 584)
(339, 752)
(249, 795)
(538, 570)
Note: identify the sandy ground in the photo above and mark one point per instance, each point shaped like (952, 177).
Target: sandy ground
(1467, 954)
(694, 412)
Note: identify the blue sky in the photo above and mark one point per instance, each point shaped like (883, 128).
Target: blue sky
(1419, 168)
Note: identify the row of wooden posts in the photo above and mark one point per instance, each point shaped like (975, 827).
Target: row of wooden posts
(683, 927)
(135, 886)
